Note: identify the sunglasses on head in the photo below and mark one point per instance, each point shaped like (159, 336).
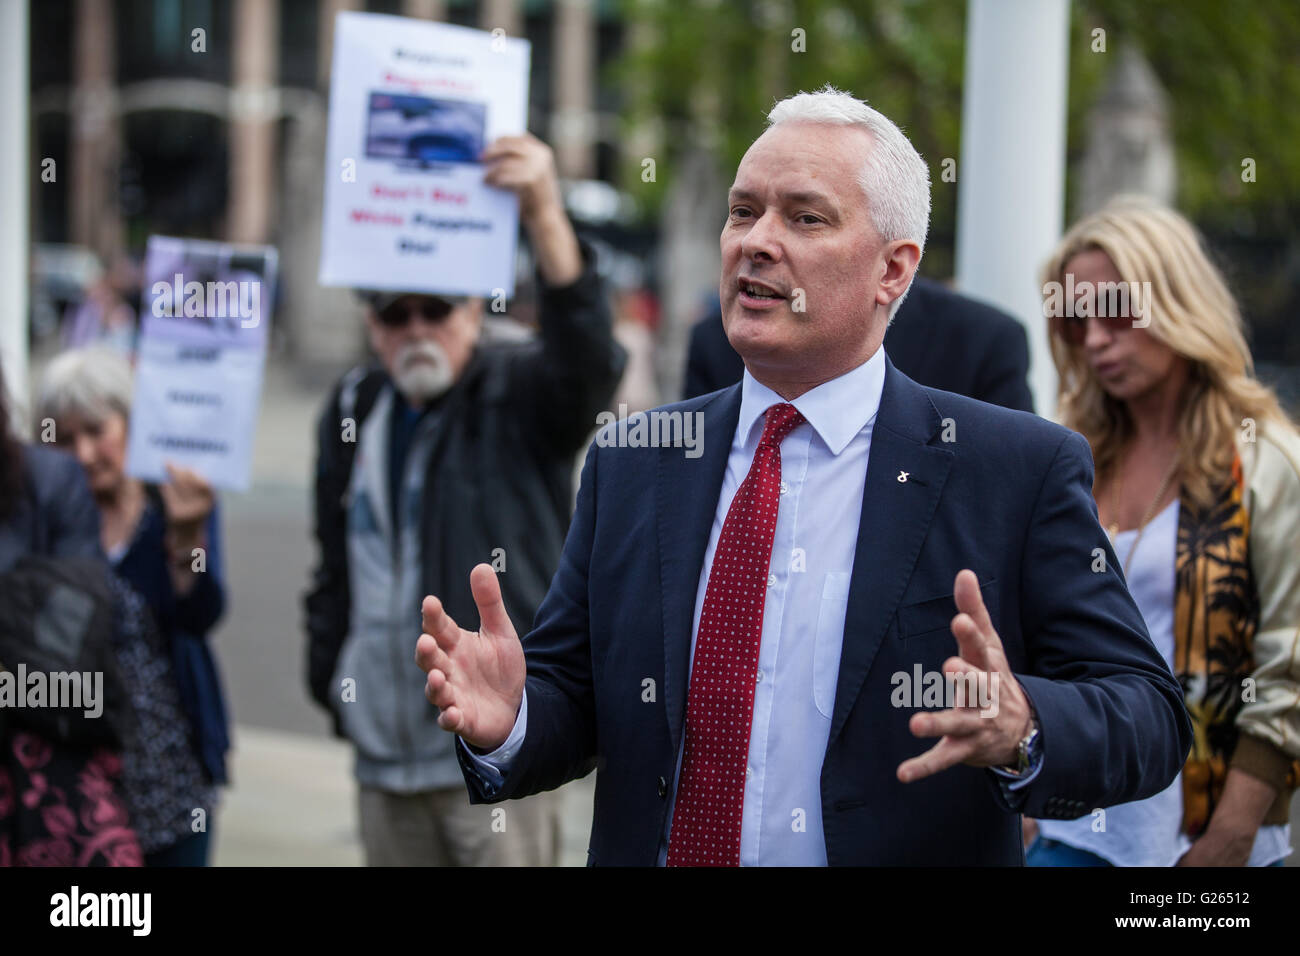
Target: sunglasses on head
(398, 314)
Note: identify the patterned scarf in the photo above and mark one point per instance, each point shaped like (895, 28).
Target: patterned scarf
(1216, 613)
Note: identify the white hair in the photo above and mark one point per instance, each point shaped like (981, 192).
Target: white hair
(88, 383)
(894, 176)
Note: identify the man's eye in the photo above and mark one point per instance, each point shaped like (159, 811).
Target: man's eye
(808, 219)
(739, 211)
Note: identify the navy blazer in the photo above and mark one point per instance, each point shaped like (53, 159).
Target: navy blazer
(1009, 496)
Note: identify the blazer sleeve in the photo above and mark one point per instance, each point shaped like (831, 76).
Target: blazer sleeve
(1111, 715)
(560, 742)
(1270, 723)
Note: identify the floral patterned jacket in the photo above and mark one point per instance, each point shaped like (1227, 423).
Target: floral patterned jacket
(1237, 627)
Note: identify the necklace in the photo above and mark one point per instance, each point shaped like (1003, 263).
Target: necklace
(1113, 530)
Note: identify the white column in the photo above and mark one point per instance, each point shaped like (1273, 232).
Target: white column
(250, 207)
(15, 177)
(1011, 181)
(425, 9)
(506, 14)
(573, 124)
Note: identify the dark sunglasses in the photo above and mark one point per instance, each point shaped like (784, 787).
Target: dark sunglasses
(1073, 329)
(397, 315)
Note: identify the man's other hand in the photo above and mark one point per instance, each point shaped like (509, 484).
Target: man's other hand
(970, 734)
(476, 678)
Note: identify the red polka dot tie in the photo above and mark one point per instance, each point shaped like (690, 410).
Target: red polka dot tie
(720, 698)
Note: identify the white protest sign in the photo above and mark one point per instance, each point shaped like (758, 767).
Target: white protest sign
(412, 106)
(198, 375)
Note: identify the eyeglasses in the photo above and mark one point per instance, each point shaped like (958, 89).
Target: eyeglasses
(397, 315)
(1073, 329)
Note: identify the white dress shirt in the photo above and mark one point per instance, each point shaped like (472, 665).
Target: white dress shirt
(823, 473)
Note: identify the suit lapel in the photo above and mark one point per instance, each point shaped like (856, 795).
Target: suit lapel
(895, 518)
(686, 501)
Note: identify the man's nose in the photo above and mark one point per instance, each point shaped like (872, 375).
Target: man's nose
(422, 329)
(763, 238)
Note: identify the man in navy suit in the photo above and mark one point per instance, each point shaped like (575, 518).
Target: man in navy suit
(864, 622)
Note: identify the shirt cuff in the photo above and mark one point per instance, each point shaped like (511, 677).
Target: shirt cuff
(494, 766)
(1012, 785)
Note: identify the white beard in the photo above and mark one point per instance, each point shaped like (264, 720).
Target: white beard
(420, 381)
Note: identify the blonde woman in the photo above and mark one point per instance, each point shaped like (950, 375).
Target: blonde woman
(1198, 485)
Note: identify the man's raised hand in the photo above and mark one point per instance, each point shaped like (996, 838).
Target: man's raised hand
(973, 735)
(476, 678)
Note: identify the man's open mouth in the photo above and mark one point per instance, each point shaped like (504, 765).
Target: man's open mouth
(758, 290)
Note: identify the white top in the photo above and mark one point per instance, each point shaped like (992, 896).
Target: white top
(1148, 832)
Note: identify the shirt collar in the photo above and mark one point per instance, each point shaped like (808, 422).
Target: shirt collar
(837, 410)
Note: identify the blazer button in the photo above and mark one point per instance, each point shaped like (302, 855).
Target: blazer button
(663, 789)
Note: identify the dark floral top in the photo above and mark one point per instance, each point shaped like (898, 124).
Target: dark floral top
(62, 806)
(161, 773)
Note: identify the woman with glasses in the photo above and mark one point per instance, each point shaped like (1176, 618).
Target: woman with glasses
(1198, 486)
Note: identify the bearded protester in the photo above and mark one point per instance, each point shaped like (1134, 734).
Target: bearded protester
(456, 451)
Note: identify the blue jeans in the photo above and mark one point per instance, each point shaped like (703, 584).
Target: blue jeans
(1045, 852)
(188, 851)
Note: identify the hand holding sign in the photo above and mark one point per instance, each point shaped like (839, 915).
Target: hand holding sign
(187, 499)
(526, 166)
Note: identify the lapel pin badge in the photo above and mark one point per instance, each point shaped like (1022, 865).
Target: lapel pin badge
(902, 476)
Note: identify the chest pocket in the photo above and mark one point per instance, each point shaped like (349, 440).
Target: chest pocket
(934, 615)
(830, 640)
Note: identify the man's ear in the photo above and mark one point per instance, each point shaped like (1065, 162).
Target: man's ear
(901, 257)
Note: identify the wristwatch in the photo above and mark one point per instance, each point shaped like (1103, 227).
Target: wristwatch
(1027, 750)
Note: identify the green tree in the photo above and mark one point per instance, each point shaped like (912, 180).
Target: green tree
(708, 71)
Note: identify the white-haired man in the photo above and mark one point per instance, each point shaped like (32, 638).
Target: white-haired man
(752, 645)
